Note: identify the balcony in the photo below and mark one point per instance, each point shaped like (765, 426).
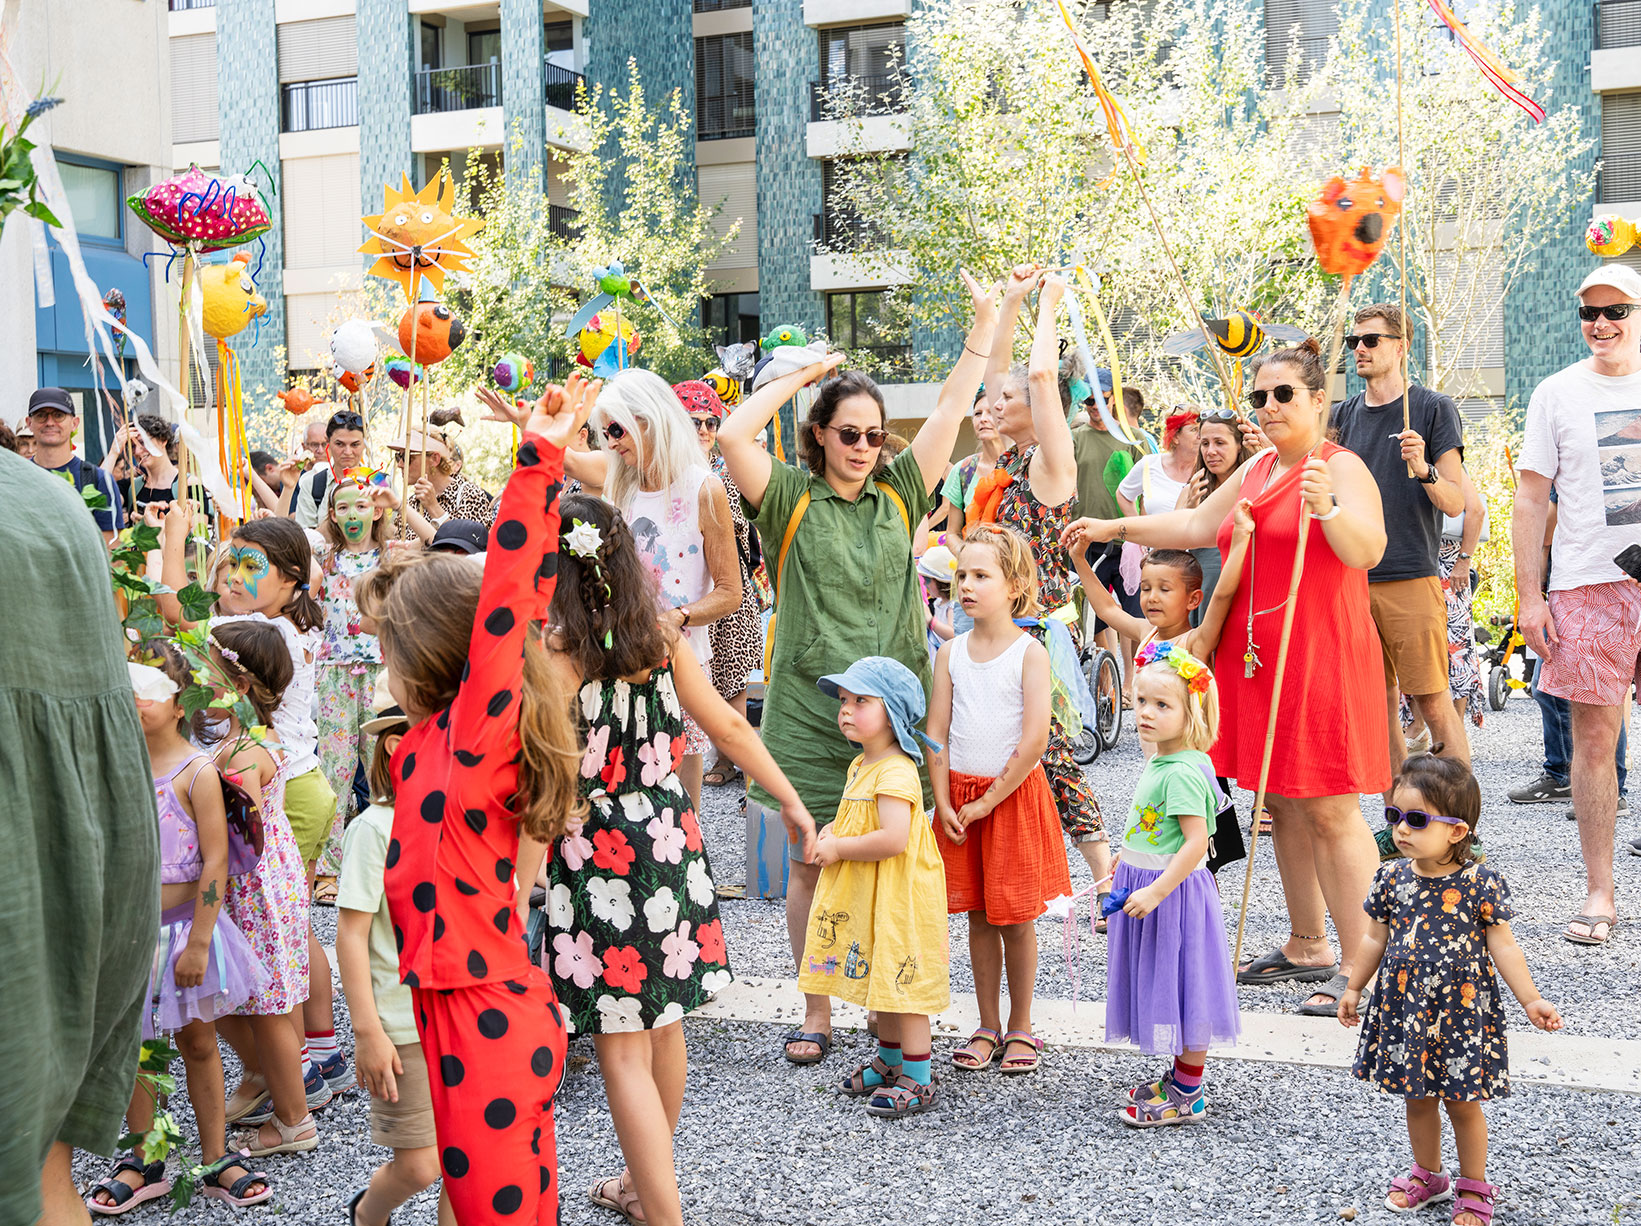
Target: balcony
(310, 105)
(1617, 24)
(562, 221)
(720, 117)
(843, 234)
(561, 85)
(880, 93)
(472, 87)
(183, 6)
(720, 6)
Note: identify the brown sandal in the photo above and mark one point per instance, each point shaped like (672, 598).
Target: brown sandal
(624, 1202)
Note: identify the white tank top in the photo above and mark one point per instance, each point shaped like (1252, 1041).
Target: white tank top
(667, 526)
(988, 708)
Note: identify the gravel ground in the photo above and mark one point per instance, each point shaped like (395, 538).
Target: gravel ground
(1560, 1156)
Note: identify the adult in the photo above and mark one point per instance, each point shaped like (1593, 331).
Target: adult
(305, 496)
(844, 521)
(265, 479)
(79, 883)
(313, 441)
(55, 421)
(1156, 484)
(1420, 478)
(153, 442)
(25, 440)
(657, 476)
(1102, 462)
(738, 639)
(1588, 632)
(1222, 449)
(1330, 744)
(439, 493)
(1033, 489)
(968, 472)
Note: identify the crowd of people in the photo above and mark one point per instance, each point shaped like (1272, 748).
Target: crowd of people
(483, 724)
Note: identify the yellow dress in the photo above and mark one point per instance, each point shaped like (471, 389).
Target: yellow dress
(877, 929)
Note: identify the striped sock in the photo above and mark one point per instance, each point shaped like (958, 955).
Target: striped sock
(306, 1058)
(1188, 1077)
(322, 1045)
(918, 1068)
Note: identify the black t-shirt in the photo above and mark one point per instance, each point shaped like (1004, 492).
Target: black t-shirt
(1413, 525)
(110, 518)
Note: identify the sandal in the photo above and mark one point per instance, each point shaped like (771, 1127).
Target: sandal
(1421, 1188)
(1591, 923)
(1333, 989)
(291, 1138)
(722, 773)
(969, 1060)
(239, 1106)
(1014, 1066)
(856, 1086)
(1277, 967)
(1145, 1093)
(353, 1208)
(822, 1041)
(905, 1097)
(123, 1196)
(1099, 911)
(324, 891)
(624, 1202)
(1476, 1198)
(1170, 1107)
(234, 1193)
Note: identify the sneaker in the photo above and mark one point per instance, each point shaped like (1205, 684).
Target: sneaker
(1623, 811)
(318, 1091)
(1543, 790)
(338, 1074)
(1635, 847)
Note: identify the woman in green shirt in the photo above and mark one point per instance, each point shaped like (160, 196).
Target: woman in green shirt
(848, 587)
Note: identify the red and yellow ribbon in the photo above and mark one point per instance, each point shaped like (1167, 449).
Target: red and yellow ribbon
(1494, 69)
(1116, 122)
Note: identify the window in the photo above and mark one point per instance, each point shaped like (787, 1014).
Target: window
(862, 51)
(484, 46)
(858, 321)
(1620, 147)
(719, 6)
(324, 49)
(94, 199)
(729, 319)
(432, 46)
(1312, 22)
(725, 96)
(839, 227)
(558, 36)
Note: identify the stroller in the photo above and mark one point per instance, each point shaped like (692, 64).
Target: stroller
(1500, 682)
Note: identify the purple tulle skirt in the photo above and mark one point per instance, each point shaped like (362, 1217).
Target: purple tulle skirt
(1168, 975)
(233, 974)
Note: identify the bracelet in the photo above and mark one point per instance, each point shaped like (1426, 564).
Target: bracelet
(683, 611)
(976, 352)
(1332, 511)
(1465, 556)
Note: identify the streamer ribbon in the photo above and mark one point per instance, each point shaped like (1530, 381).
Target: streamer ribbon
(1116, 121)
(1498, 74)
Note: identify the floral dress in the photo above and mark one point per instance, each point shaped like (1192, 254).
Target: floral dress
(634, 941)
(269, 905)
(1463, 660)
(348, 662)
(1434, 1027)
(737, 640)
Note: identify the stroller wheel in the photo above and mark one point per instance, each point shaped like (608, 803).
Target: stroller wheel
(1498, 687)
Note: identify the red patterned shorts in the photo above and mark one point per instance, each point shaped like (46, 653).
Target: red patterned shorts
(1598, 656)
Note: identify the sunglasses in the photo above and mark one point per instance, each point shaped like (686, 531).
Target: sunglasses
(1282, 392)
(709, 424)
(1219, 415)
(849, 436)
(1369, 340)
(344, 421)
(1618, 311)
(1416, 819)
(614, 430)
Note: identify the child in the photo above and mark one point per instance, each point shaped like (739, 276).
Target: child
(270, 903)
(386, 1050)
(877, 927)
(936, 568)
(1435, 1031)
(1168, 972)
(630, 887)
(998, 831)
(203, 966)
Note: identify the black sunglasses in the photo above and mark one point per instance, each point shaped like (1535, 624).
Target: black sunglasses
(344, 421)
(1416, 819)
(1616, 312)
(709, 424)
(849, 436)
(614, 430)
(1283, 392)
(1369, 340)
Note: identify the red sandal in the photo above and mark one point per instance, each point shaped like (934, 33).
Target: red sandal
(1422, 1188)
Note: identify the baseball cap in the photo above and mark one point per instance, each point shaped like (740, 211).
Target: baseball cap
(461, 536)
(898, 687)
(51, 398)
(1620, 277)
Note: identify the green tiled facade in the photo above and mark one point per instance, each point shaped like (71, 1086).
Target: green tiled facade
(523, 89)
(384, 99)
(660, 38)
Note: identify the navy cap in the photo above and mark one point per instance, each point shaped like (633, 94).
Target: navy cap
(461, 536)
(52, 398)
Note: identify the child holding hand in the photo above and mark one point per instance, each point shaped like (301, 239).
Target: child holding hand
(1435, 1030)
(1168, 971)
(877, 928)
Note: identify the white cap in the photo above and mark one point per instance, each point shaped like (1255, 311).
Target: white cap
(1620, 277)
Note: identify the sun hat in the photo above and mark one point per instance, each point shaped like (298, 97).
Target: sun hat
(938, 563)
(420, 444)
(897, 686)
(385, 713)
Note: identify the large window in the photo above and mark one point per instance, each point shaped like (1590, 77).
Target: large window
(94, 199)
(730, 318)
(725, 97)
(864, 62)
(1311, 23)
(1620, 147)
(558, 41)
(858, 321)
(432, 46)
(484, 46)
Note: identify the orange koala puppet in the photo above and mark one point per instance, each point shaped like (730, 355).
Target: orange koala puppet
(1350, 222)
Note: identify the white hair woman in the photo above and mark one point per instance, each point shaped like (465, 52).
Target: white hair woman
(653, 470)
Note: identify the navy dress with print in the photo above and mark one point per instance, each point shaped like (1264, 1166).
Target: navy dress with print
(1434, 1027)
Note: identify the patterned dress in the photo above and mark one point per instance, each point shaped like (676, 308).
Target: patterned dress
(460, 500)
(345, 677)
(269, 905)
(1463, 660)
(1434, 1027)
(737, 640)
(634, 941)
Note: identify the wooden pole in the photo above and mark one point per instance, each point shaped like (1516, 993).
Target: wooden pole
(1401, 238)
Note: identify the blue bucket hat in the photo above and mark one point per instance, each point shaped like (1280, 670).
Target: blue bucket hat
(897, 686)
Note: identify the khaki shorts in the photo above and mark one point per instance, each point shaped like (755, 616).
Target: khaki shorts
(1412, 618)
(408, 1123)
(310, 808)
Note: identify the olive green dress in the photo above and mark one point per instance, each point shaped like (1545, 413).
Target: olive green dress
(79, 856)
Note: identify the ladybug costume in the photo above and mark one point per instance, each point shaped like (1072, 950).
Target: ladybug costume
(489, 1021)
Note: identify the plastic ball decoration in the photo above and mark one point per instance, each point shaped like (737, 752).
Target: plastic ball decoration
(513, 373)
(1610, 235)
(430, 332)
(203, 212)
(403, 371)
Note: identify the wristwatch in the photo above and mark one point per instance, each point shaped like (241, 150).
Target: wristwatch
(1430, 476)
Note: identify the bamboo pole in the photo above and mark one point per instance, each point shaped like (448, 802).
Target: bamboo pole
(1401, 238)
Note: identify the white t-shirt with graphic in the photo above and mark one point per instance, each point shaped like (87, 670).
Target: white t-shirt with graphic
(1584, 433)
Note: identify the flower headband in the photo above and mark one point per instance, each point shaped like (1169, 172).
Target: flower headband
(366, 478)
(1196, 675)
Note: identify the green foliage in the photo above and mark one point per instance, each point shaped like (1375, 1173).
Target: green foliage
(19, 184)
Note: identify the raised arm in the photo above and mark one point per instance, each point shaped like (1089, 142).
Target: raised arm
(938, 435)
(1104, 604)
(1204, 639)
(1054, 467)
(749, 464)
(1000, 353)
(591, 468)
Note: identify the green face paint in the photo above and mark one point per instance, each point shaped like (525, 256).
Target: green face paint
(354, 514)
(247, 566)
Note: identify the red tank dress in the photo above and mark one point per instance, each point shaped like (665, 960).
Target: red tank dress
(1331, 735)
(488, 1019)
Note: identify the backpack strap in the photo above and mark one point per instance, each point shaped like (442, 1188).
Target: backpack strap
(797, 516)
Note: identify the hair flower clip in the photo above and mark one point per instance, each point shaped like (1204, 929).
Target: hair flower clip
(583, 540)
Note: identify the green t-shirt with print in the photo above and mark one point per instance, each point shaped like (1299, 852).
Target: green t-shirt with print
(1173, 786)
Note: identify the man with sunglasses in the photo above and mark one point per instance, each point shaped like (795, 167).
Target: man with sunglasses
(1420, 475)
(1583, 429)
(306, 499)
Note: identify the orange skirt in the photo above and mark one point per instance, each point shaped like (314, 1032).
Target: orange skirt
(1013, 861)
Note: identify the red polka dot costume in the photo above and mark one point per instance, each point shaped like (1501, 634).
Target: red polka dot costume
(488, 1019)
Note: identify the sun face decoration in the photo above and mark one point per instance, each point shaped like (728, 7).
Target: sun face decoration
(418, 235)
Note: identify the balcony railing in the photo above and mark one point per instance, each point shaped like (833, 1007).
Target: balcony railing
(844, 234)
(308, 105)
(1617, 24)
(466, 88)
(561, 84)
(182, 6)
(562, 221)
(721, 118)
(719, 6)
(881, 93)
